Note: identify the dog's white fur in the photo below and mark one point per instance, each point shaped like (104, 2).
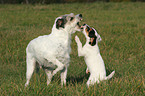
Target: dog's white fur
(93, 59)
(54, 49)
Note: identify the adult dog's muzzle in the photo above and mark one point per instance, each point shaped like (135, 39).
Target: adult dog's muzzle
(80, 17)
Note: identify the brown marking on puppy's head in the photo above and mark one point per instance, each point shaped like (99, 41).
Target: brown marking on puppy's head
(91, 34)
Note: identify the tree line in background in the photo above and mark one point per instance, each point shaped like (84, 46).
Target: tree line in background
(58, 1)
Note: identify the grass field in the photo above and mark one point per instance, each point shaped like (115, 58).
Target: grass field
(121, 26)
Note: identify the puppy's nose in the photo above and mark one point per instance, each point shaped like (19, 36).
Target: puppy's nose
(84, 24)
(80, 15)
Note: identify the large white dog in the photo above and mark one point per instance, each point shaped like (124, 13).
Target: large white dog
(54, 49)
(92, 56)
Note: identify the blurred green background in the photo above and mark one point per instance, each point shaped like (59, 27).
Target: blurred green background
(60, 1)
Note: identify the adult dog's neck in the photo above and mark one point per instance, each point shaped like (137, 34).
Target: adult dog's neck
(64, 34)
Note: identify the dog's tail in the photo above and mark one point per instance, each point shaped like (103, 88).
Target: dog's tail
(110, 76)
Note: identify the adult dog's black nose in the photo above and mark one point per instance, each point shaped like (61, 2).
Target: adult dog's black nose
(80, 15)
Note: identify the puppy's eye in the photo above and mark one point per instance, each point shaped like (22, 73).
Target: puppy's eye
(71, 18)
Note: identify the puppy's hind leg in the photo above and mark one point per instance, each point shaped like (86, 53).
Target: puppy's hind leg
(87, 71)
(31, 62)
(89, 82)
(92, 80)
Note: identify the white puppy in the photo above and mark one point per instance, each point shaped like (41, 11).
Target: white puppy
(93, 59)
(54, 49)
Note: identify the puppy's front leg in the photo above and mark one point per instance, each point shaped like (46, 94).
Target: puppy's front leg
(79, 44)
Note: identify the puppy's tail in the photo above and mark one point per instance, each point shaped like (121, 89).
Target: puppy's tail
(110, 76)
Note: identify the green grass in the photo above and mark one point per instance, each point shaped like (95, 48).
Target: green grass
(121, 26)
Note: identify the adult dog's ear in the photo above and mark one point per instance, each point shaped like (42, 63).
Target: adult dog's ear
(60, 23)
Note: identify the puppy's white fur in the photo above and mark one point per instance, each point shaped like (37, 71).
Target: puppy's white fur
(93, 59)
(54, 49)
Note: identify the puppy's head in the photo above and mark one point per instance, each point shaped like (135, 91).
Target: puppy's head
(68, 22)
(91, 34)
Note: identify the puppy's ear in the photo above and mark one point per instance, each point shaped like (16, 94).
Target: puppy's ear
(92, 37)
(60, 23)
(99, 38)
(93, 41)
(91, 33)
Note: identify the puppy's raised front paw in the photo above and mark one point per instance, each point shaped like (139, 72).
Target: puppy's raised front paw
(76, 38)
(87, 71)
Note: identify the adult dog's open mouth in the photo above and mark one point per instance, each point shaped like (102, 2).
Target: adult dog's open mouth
(80, 17)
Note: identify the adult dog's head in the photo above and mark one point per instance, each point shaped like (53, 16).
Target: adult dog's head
(91, 35)
(68, 22)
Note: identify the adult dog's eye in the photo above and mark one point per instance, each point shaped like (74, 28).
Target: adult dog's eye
(71, 18)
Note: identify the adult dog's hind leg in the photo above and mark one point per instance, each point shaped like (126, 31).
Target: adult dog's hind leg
(63, 76)
(31, 62)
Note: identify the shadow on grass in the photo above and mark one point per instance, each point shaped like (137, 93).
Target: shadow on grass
(78, 79)
(81, 78)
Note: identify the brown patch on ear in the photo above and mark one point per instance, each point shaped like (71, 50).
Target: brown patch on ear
(87, 31)
(90, 29)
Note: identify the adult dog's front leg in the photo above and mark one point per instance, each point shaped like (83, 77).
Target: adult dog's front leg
(79, 44)
(56, 62)
(49, 76)
(60, 66)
